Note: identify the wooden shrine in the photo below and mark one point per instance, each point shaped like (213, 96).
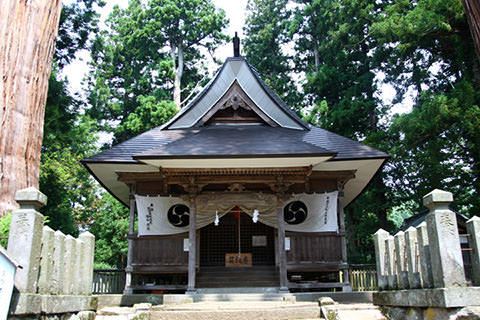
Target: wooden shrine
(236, 190)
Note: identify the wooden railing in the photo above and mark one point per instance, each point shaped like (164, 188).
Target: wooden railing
(363, 277)
(107, 281)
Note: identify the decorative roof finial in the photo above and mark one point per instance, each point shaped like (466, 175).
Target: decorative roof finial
(236, 46)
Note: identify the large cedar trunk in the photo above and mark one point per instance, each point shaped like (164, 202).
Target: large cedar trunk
(472, 9)
(28, 29)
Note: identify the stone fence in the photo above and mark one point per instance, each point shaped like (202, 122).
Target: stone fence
(422, 268)
(56, 270)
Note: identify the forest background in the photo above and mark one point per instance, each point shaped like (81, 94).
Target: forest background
(328, 59)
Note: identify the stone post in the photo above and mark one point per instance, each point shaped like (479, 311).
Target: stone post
(444, 241)
(390, 263)
(413, 262)
(25, 239)
(46, 261)
(77, 268)
(87, 272)
(473, 228)
(69, 264)
(424, 251)
(380, 255)
(402, 274)
(58, 264)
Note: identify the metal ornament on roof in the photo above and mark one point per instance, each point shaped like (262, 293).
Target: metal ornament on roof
(179, 215)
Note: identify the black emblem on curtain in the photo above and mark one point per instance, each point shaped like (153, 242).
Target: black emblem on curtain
(179, 215)
(295, 212)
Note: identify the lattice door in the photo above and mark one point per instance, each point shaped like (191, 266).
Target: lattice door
(216, 241)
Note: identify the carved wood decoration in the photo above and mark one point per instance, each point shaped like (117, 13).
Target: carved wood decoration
(273, 180)
(235, 106)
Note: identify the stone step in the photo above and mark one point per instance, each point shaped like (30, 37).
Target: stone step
(230, 297)
(218, 277)
(233, 284)
(236, 310)
(260, 290)
(356, 311)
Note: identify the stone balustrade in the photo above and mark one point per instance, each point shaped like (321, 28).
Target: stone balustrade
(54, 268)
(430, 255)
(423, 266)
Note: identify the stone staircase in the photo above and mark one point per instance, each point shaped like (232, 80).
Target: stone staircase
(221, 277)
(239, 310)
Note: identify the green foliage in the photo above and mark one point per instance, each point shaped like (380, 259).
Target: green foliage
(102, 265)
(5, 228)
(340, 61)
(68, 135)
(438, 142)
(109, 225)
(266, 33)
(68, 138)
(78, 20)
(136, 61)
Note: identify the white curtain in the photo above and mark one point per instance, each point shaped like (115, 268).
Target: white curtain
(153, 216)
(321, 215)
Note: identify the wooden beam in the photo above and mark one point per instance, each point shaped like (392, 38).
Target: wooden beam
(282, 258)
(161, 287)
(131, 232)
(236, 91)
(192, 245)
(315, 285)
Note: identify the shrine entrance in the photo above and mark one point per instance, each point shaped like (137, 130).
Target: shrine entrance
(237, 253)
(237, 233)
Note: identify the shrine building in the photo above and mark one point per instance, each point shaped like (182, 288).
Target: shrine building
(236, 191)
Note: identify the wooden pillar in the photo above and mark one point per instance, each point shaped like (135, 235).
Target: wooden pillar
(282, 258)
(131, 235)
(343, 243)
(192, 246)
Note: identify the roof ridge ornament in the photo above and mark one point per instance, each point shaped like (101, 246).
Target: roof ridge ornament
(236, 46)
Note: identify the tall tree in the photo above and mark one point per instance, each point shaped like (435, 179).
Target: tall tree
(434, 56)
(68, 134)
(27, 39)
(147, 60)
(340, 59)
(185, 25)
(472, 9)
(266, 30)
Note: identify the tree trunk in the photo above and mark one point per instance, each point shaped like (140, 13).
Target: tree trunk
(177, 86)
(28, 30)
(472, 10)
(316, 54)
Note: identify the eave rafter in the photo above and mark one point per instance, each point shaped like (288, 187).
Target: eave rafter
(277, 179)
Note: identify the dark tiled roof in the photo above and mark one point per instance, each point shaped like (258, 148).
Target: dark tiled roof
(237, 140)
(247, 140)
(124, 151)
(344, 147)
(196, 99)
(276, 98)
